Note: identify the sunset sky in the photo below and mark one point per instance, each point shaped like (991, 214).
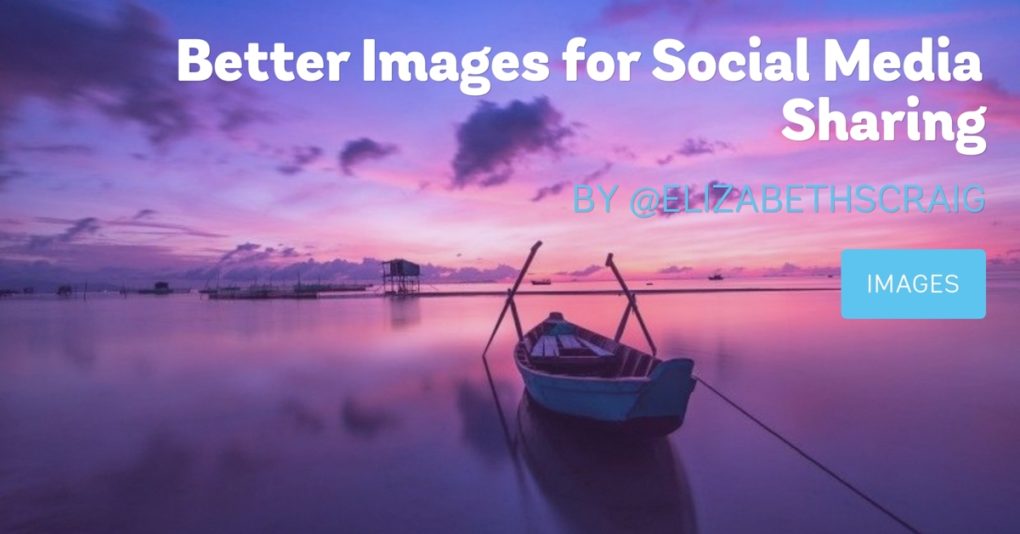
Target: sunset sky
(111, 169)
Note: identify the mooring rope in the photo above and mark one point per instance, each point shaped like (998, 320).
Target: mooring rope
(860, 493)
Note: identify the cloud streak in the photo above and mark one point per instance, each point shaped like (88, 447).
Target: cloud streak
(56, 149)
(143, 214)
(695, 147)
(791, 269)
(359, 151)
(674, 269)
(587, 271)
(299, 158)
(558, 187)
(78, 229)
(549, 190)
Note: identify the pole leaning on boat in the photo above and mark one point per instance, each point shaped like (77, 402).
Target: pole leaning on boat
(509, 304)
(631, 305)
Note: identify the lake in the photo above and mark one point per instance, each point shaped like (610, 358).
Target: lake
(171, 414)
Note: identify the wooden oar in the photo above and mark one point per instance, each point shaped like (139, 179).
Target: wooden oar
(510, 295)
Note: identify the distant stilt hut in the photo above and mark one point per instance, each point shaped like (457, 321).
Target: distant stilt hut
(401, 277)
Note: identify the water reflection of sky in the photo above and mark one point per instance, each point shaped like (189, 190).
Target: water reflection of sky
(374, 415)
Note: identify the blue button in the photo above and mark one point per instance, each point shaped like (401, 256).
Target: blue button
(913, 284)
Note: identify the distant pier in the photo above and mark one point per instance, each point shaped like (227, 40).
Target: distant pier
(583, 292)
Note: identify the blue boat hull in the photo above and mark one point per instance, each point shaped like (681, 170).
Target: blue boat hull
(657, 401)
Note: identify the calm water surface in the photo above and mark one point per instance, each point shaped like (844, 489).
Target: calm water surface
(170, 414)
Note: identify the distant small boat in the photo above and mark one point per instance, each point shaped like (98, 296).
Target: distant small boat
(573, 371)
(541, 282)
(716, 277)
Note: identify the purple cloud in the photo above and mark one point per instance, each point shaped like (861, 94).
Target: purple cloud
(494, 138)
(143, 214)
(141, 225)
(240, 250)
(587, 271)
(558, 187)
(549, 190)
(56, 149)
(55, 53)
(673, 269)
(791, 269)
(625, 152)
(361, 150)
(695, 147)
(299, 158)
(235, 109)
(121, 67)
(78, 229)
(598, 173)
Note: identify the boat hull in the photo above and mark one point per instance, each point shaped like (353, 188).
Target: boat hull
(654, 404)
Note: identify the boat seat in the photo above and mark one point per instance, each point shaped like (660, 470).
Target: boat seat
(558, 346)
(595, 349)
(545, 346)
(550, 346)
(569, 342)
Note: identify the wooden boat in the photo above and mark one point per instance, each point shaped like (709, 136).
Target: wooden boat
(573, 371)
(716, 277)
(576, 372)
(541, 282)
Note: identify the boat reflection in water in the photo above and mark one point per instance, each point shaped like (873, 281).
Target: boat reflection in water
(600, 481)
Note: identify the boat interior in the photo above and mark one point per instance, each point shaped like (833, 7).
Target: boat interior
(557, 346)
